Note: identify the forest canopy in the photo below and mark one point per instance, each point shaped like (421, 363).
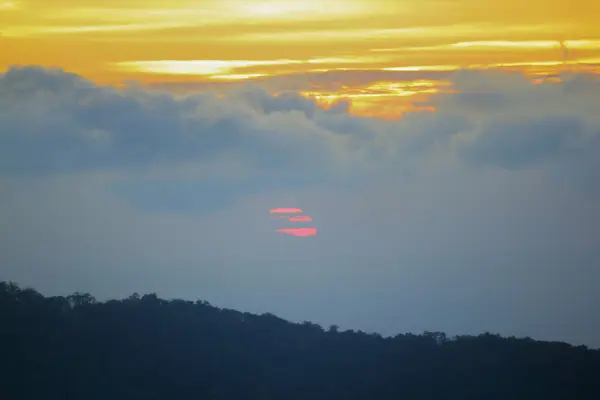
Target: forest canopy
(145, 347)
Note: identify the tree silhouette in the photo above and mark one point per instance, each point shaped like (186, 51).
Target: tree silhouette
(144, 347)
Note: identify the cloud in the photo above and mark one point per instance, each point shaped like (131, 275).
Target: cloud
(453, 31)
(77, 126)
(55, 122)
(519, 144)
(223, 68)
(325, 80)
(521, 125)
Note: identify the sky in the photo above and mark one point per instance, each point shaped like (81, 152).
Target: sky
(447, 152)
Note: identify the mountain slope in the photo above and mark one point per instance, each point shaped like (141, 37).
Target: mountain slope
(147, 348)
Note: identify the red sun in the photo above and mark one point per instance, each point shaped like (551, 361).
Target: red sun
(298, 231)
(285, 211)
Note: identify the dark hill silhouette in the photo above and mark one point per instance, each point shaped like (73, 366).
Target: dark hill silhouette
(147, 348)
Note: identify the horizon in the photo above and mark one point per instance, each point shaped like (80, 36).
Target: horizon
(325, 328)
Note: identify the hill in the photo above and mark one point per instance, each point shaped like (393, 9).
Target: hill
(144, 347)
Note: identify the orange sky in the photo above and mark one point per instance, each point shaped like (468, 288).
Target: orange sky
(156, 41)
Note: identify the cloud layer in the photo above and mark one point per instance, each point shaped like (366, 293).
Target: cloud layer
(482, 215)
(56, 122)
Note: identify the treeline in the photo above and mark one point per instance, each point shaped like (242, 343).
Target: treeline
(144, 347)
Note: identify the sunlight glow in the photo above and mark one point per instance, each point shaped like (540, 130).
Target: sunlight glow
(189, 45)
(8, 5)
(382, 99)
(222, 67)
(488, 66)
(292, 10)
(195, 67)
(212, 12)
(362, 34)
(425, 68)
(236, 77)
(35, 31)
(498, 45)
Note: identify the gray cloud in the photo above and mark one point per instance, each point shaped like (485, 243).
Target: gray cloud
(483, 215)
(519, 144)
(270, 140)
(55, 121)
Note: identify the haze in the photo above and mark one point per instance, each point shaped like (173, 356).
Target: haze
(449, 159)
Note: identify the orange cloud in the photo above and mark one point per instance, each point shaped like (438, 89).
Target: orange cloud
(222, 42)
